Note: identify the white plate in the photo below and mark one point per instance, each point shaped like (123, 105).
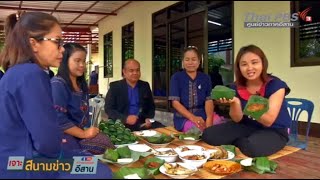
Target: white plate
(162, 169)
(139, 147)
(121, 145)
(146, 133)
(231, 155)
(191, 147)
(100, 157)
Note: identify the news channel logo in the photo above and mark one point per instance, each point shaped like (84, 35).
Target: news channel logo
(77, 165)
(276, 20)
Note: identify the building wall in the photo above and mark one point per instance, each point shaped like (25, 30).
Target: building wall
(275, 42)
(142, 17)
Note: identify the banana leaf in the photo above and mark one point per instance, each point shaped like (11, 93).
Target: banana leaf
(111, 155)
(193, 132)
(155, 170)
(256, 106)
(159, 139)
(230, 148)
(143, 173)
(136, 155)
(262, 165)
(124, 152)
(222, 92)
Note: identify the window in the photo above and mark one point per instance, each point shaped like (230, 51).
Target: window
(107, 53)
(127, 42)
(305, 39)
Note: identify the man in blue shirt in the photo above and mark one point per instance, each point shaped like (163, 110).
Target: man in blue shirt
(93, 78)
(131, 100)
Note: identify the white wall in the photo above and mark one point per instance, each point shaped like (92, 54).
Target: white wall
(139, 12)
(275, 42)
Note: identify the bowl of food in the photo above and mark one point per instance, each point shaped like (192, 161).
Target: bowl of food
(222, 167)
(184, 148)
(178, 170)
(190, 140)
(219, 153)
(167, 154)
(196, 158)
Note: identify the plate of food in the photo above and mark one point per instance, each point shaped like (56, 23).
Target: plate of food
(159, 140)
(146, 133)
(192, 136)
(219, 153)
(120, 156)
(222, 167)
(178, 170)
(122, 145)
(139, 147)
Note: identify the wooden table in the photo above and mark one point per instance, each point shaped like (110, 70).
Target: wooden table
(293, 163)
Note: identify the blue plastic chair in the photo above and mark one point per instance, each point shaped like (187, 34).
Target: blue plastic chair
(295, 110)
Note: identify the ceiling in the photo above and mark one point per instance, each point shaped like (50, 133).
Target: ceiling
(79, 19)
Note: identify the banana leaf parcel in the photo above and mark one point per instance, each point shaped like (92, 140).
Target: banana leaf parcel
(256, 106)
(222, 92)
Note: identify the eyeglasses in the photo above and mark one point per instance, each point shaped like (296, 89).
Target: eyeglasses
(192, 47)
(58, 41)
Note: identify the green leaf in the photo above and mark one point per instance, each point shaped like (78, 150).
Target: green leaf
(193, 132)
(273, 167)
(154, 171)
(222, 92)
(111, 155)
(230, 148)
(254, 169)
(263, 164)
(255, 99)
(124, 152)
(143, 173)
(136, 155)
(159, 139)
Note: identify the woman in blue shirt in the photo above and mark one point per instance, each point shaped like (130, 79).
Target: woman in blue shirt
(190, 94)
(70, 97)
(29, 125)
(263, 136)
(1, 74)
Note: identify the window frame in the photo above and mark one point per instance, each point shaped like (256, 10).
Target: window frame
(107, 58)
(124, 37)
(296, 61)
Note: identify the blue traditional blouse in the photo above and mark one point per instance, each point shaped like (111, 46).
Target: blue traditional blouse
(192, 94)
(72, 109)
(273, 85)
(1, 74)
(29, 125)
